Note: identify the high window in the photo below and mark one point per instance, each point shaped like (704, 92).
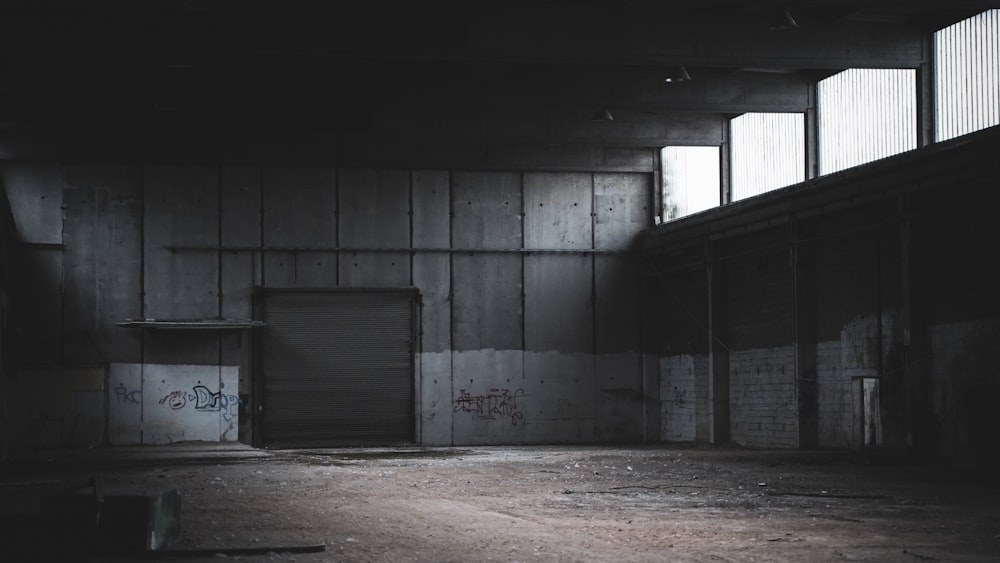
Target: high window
(967, 76)
(690, 180)
(865, 115)
(767, 152)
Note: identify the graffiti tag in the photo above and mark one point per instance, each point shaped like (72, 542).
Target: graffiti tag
(680, 395)
(497, 402)
(126, 395)
(203, 399)
(176, 400)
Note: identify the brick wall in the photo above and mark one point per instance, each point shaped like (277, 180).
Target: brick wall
(684, 401)
(763, 409)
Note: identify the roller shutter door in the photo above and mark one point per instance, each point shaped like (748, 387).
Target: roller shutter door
(337, 368)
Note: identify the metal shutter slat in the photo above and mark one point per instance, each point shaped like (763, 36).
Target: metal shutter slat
(337, 368)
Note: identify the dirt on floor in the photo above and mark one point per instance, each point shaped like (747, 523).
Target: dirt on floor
(616, 504)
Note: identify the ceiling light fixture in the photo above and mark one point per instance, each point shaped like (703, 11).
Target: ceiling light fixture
(602, 115)
(677, 74)
(783, 20)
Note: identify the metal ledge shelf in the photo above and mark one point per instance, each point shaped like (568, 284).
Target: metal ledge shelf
(191, 324)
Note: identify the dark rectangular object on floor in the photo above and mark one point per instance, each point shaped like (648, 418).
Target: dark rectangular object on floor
(139, 520)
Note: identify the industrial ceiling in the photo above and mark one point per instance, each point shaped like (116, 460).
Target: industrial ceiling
(193, 67)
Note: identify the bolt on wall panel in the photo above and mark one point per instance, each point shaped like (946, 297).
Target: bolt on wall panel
(299, 210)
(35, 195)
(486, 210)
(376, 206)
(181, 207)
(557, 210)
(622, 209)
(101, 269)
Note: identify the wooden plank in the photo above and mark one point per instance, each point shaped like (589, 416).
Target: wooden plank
(557, 210)
(300, 210)
(102, 209)
(376, 214)
(622, 209)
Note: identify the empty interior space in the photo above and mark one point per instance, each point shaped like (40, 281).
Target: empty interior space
(526, 280)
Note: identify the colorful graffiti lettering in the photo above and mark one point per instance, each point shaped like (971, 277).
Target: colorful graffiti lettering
(126, 395)
(497, 402)
(204, 399)
(176, 400)
(215, 401)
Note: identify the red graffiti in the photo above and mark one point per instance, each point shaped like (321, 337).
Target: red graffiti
(176, 400)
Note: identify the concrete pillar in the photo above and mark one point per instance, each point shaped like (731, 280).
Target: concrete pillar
(718, 358)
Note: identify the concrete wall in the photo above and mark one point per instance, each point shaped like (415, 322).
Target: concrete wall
(57, 407)
(8, 247)
(864, 318)
(531, 327)
(163, 404)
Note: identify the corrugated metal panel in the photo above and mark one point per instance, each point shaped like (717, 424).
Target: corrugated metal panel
(337, 368)
(691, 180)
(865, 115)
(768, 151)
(967, 75)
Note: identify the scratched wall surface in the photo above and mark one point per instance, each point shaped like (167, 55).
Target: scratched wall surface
(164, 404)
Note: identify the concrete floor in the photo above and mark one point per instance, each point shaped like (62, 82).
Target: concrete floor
(663, 503)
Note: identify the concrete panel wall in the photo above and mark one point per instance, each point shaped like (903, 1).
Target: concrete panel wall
(35, 194)
(529, 326)
(431, 207)
(180, 208)
(102, 228)
(56, 407)
(240, 271)
(163, 404)
(622, 204)
(299, 211)
(125, 404)
(379, 218)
